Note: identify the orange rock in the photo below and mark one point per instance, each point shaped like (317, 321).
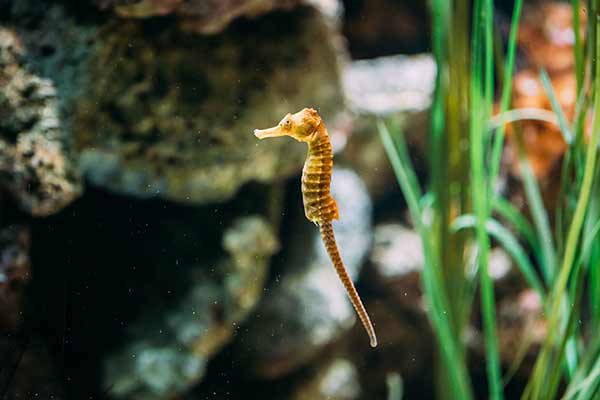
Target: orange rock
(547, 38)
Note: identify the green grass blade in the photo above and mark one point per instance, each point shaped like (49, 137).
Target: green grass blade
(481, 95)
(510, 213)
(522, 114)
(592, 257)
(564, 206)
(510, 244)
(586, 381)
(498, 143)
(434, 292)
(405, 174)
(440, 14)
(562, 120)
(589, 242)
(402, 152)
(562, 356)
(578, 48)
(540, 220)
(594, 286)
(427, 201)
(572, 244)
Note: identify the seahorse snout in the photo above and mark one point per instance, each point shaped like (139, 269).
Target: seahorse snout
(267, 133)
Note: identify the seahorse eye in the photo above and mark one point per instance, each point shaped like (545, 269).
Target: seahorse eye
(285, 123)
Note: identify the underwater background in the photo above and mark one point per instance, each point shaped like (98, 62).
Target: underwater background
(152, 248)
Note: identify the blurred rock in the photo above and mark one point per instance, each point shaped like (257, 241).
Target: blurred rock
(547, 36)
(209, 16)
(397, 260)
(337, 380)
(35, 162)
(500, 264)
(307, 308)
(27, 370)
(388, 85)
(383, 27)
(14, 274)
(395, 88)
(397, 251)
(181, 128)
(542, 140)
(521, 331)
(521, 327)
(105, 4)
(406, 344)
(212, 16)
(400, 312)
(405, 337)
(169, 351)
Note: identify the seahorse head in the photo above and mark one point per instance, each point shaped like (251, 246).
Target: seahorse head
(302, 126)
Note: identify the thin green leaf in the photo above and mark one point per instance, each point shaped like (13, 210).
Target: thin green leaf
(540, 220)
(481, 95)
(509, 212)
(498, 143)
(522, 114)
(404, 172)
(562, 120)
(578, 48)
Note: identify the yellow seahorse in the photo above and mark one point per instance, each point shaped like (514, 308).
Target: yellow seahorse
(319, 207)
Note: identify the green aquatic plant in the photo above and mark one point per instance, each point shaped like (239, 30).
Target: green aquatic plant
(461, 112)
(562, 264)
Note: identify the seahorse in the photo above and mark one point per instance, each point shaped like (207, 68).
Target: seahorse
(319, 206)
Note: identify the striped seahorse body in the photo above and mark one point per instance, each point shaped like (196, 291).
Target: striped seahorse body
(316, 179)
(319, 205)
